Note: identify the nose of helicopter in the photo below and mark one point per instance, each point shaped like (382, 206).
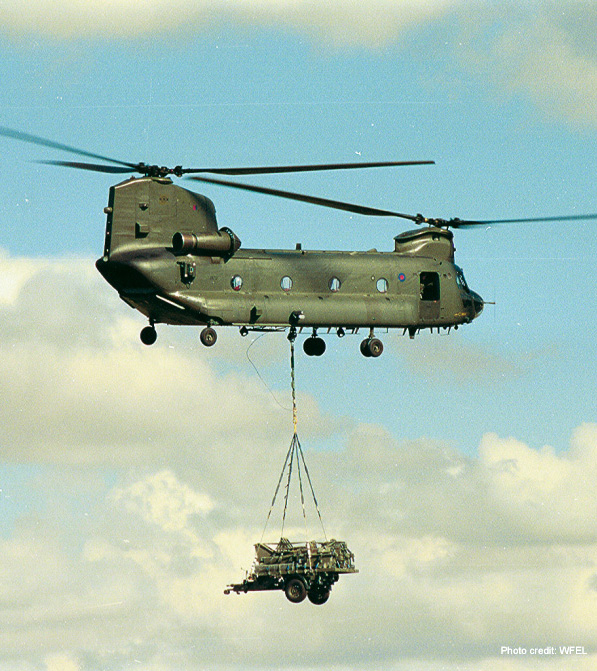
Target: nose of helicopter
(478, 304)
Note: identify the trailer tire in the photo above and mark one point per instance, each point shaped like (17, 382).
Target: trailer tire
(318, 595)
(295, 590)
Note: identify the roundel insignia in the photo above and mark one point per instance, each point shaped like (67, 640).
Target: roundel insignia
(402, 277)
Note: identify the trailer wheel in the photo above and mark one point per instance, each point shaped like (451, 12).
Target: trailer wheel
(318, 595)
(295, 590)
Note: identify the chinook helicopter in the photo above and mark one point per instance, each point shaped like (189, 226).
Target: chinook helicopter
(167, 258)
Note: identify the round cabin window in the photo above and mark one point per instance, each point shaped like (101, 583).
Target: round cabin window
(334, 284)
(382, 285)
(236, 282)
(286, 283)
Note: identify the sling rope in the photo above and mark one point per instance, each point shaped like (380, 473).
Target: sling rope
(292, 384)
(295, 451)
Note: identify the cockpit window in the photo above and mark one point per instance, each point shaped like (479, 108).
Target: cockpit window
(461, 281)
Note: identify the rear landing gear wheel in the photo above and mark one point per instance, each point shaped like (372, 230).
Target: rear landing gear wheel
(208, 336)
(314, 346)
(148, 335)
(295, 590)
(371, 347)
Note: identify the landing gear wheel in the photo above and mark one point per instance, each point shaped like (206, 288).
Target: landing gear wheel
(148, 335)
(314, 346)
(295, 590)
(365, 348)
(318, 595)
(371, 347)
(375, 347)
(208, 336)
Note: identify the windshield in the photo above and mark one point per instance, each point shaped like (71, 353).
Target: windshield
(460, 280)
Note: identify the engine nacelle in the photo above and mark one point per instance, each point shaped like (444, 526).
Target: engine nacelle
(220, 243)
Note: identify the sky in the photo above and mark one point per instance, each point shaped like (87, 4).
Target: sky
(460, 469)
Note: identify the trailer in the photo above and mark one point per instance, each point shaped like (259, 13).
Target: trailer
(301, 570)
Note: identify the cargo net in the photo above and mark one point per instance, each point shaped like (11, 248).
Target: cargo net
(294, 463)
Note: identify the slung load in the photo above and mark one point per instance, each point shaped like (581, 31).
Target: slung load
(299, 569)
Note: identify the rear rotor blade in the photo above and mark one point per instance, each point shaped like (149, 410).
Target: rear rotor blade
(35, 139)
(265, 170)
(325, 202)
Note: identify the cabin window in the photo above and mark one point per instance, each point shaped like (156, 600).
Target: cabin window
(286, 283)
(334, 284)
(236, 283)
(382, 285)
(429, 286)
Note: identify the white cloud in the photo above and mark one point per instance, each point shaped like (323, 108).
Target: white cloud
(545, 494)
(450, 360)
(342, 21)
(13, 275)
(163, 501)
(540, 52)
(61, 662)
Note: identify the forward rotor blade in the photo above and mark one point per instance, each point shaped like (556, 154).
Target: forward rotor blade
(463, 223)
(325, 202)
(264, 170)
(35, 139)
(95, 167)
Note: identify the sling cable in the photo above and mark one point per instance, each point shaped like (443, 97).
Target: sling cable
(294, 458)
(301, 570)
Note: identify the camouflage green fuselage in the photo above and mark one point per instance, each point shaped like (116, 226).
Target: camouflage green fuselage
(166, 257)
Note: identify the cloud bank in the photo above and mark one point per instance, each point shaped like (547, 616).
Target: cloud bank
(342, 21)
(130, 501)
(543, 52)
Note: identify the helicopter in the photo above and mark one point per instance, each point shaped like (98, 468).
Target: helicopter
(167, 258)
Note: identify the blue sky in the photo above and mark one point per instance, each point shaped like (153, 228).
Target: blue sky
(118, 468)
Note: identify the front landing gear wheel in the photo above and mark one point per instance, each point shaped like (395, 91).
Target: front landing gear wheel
(295, 590)
(375, 347)
(208, 336)
(314, 346)
(148, 335)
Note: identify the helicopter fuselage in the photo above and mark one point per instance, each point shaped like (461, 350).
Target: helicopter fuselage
(278, 288)
(166, 258)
